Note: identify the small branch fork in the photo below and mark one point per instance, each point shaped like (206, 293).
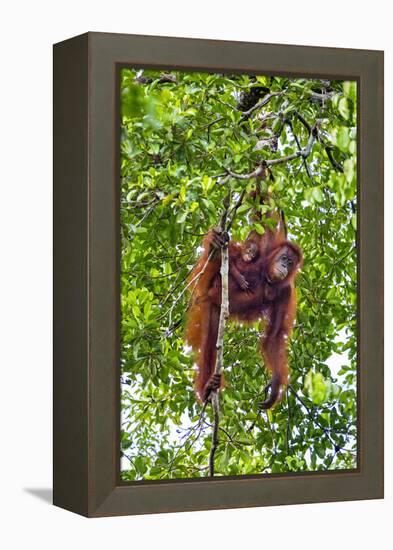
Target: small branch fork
(259, 171)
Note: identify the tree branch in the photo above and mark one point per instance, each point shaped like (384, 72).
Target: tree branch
(258, 172)
(305, 163)
(216, 411)
(224, 314)
(235, 208)
(261, 103)
(304, 122)
(336, 165)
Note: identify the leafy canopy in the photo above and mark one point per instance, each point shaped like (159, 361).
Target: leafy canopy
(179, 134)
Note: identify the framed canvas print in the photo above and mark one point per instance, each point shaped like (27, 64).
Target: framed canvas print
(218, 274)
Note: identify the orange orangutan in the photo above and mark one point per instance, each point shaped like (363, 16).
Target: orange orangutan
(262, 272)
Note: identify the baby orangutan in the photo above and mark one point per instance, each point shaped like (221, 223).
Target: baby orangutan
(241, 257)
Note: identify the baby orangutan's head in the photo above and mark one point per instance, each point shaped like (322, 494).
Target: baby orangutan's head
(249, 251)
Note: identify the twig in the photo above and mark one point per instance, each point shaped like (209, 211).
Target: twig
(235, 209)
(252, 425)
(337, 262)
(193, 280)
(194, 429)
(208, 126)
(146, 214)
(333, 162)
(305, 163)
(128, 458)
(304, 122)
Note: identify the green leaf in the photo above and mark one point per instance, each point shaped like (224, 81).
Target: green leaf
(181, 217)
(341, 138)
(343, 108)
(259, 228)
(317, 194)
(316, 387)
(349, 88)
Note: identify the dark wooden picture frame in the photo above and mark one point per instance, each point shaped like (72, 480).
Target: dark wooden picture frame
(86, 275)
